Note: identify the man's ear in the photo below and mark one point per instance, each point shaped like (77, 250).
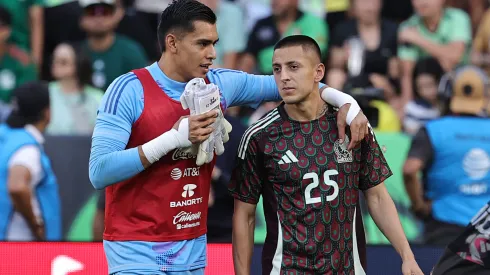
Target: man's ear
(319, 72)
(171, 43)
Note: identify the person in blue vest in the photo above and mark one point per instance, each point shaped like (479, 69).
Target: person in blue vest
(29, 198)
(452, 153)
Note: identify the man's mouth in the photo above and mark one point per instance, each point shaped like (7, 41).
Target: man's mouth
(206, 66)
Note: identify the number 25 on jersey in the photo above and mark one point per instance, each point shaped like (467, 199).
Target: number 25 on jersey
(316, 182)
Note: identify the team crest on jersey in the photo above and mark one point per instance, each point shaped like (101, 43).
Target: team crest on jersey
(343, 155)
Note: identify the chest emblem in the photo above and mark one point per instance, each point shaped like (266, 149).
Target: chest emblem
(341, 153)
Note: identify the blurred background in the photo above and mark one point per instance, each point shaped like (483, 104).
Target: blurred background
(390, 55)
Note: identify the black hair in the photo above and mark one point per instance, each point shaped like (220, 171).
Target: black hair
(306, 42)
(180, 16)
(83, 64)
(5, 17)
(428, 66)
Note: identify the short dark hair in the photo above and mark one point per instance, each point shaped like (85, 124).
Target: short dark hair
(5, 17)
(304, 41)
(180, 16)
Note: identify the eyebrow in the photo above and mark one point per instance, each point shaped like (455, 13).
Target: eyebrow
(287, 63)
(207, 41)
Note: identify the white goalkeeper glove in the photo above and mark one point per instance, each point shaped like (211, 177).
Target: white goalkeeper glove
(200, 98)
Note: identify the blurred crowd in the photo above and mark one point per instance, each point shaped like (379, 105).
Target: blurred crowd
(390, 55)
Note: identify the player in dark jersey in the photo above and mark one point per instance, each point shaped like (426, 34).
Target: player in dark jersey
(309, 179)
(470, 252)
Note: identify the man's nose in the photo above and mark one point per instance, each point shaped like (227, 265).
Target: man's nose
(284, 76)
(211, 53)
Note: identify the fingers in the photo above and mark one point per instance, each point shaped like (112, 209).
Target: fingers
(206, 116)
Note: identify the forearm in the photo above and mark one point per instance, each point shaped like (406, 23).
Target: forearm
(243, 241)
(447, 55)
(413, 187)
(384, 214)
(108, 166)
(406, 85)
(37, 35)
(22, 204)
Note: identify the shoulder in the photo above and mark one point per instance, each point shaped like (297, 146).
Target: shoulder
(20, 55)
(264, 125)
(128, 43)
(28, 155)
(222, 71)
(411, 21)
(456, 14)
(264, 22)
(125, 89)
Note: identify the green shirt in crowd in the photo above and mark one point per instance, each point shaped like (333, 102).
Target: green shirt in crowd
(19, 11)
(74, 113)
(455, 26)
(16, 68)
(123, 56)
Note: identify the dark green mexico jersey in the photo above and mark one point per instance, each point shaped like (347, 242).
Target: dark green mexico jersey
(310, 186)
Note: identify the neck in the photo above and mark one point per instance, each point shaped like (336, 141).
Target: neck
(309, 109)
(69, 85)
(101, 43)
(40, 126)
(170, 69)
(432, 22)
(368, 24)
(287, 17)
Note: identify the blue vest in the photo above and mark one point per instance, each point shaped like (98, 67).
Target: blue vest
(458, 182)
(46, 191)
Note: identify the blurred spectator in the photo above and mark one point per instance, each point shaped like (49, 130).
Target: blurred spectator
(474, 8)
(221, 203)
(453, 154)
(111, 54)
(16, 67)
(74, 101)
(286, 20)
(436, 31)
(231, 30)
(337, 12)
(480, 55)
(61, 24)
(137, 27)
(27, 26)
(379, 38)
(425, 105)
(30, 207)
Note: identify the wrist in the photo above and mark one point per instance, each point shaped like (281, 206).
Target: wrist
(407, 255)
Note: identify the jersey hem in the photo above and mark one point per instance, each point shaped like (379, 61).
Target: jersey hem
(128, 238)
(152, 267)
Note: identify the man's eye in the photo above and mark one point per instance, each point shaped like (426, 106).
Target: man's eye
(294, 67)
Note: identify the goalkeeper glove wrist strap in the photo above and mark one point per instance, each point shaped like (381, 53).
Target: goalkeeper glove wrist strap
(339, 99)
(166, 142)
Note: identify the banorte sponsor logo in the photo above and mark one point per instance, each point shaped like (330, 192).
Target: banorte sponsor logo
(183, 219)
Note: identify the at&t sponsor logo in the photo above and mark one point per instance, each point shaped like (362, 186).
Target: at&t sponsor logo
(188, 172)
(187, 219)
